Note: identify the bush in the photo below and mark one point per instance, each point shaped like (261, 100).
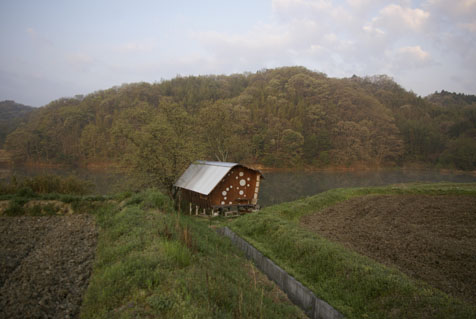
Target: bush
(15, 208)
(26, 192)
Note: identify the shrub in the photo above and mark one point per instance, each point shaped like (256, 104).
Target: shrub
(15, 208)
(26, 192)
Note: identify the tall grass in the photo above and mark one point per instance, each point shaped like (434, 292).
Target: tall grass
(69, 190)
(355, 285)
(152, 264)
(45, 184)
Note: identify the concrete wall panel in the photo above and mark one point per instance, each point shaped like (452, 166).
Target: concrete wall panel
(299, 294)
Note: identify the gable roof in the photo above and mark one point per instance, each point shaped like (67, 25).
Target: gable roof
(203, 176)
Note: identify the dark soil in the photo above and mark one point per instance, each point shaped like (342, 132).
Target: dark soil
(430, 238)
(45, 264)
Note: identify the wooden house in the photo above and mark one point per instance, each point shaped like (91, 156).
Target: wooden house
(213, 187)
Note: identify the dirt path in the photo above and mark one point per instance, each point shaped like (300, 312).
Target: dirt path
(45, 264)
(432, 238)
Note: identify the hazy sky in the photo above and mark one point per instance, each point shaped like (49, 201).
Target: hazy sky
(53, 49)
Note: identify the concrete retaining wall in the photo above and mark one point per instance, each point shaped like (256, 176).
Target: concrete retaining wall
(297, 292)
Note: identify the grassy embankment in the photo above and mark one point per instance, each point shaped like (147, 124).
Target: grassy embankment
(354, 284)
(47, 195)
(153, 263)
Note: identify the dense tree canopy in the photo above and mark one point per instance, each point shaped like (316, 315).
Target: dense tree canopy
(284, 117)
(11, 115)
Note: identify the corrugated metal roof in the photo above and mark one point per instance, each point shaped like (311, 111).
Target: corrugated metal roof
(203, 176)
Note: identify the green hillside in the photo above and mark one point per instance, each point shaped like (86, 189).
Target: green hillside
(284, 117)
(11, 115)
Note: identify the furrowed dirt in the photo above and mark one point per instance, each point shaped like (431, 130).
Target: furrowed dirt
(430, 238)
(45, 265)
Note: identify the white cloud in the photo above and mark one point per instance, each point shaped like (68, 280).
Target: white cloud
(397, 18)
(320, 34)
(342, 38)
(264, 46)
(404, 61)
(415, 54)
(359, 3)
(460, 9)
(323, 12)
(453, 31)
(301, 6)
(373, 31)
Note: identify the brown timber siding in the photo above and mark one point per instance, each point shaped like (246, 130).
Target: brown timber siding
(195, 198)
(237, 187)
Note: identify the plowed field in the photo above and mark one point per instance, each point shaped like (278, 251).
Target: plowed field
(45, 264)
(430, 238)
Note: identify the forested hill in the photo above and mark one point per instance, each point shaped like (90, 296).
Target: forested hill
(455, 100)
(11, 115)
(285, 117)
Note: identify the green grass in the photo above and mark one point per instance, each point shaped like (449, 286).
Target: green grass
(296, 209)
(355, 285)
(151, 264)
(79, 204)
(70, 190)
(44, 184)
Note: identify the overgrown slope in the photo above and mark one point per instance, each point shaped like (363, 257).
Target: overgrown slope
(153, 263)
